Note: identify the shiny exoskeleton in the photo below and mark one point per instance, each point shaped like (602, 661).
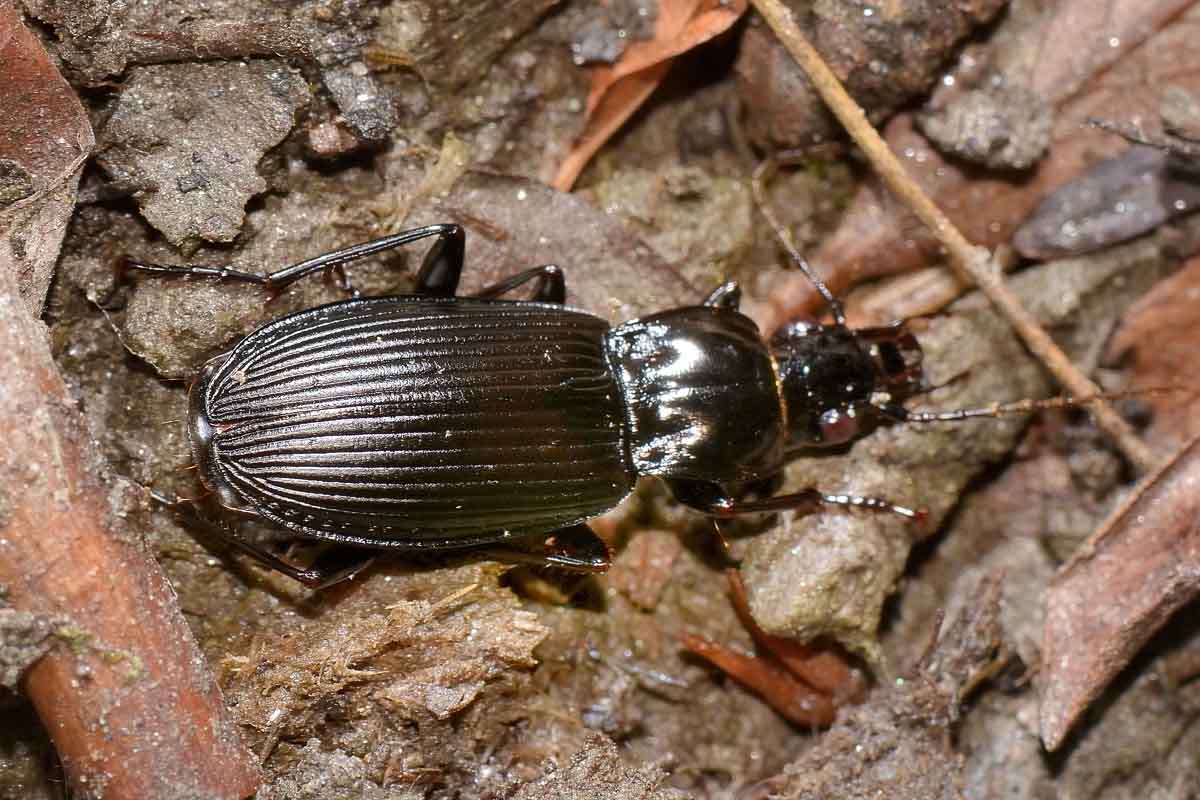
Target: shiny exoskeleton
(431, 422)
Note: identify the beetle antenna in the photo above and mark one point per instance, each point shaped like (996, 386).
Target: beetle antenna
(762, 173)
(901, 414)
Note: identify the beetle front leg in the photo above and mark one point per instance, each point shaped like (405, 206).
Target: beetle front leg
(714, 500)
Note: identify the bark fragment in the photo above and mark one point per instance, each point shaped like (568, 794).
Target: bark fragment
(1140, 567)
(127, 700)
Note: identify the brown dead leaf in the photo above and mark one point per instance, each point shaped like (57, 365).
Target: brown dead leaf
(898, 743)
(1160, 335)
(1156, 45)
(619, 90)
(44, 138)
(1140, 567)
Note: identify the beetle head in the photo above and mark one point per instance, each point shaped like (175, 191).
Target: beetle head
(838, 383)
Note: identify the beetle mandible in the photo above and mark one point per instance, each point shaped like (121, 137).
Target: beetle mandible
(432, 422)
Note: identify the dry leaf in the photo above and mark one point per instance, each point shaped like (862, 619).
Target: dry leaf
(795, 700)
(619, 90)
(44, 138)
(1139, 568)
(804, 682)
(818, 665)
(898, 744)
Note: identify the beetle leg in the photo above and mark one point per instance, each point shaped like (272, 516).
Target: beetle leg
(712, 499)
(439, 272)
(335, 565)
(443, 264)
(727, 295)
(447, 249)
(576, 548)
(551, 285)
(329, 568)
(125, 266)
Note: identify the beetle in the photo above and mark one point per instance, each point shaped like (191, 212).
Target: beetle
(432, 422)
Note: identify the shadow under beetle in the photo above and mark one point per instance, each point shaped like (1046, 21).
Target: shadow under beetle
(433, 422)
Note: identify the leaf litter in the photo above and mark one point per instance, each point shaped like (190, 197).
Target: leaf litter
(618, 91)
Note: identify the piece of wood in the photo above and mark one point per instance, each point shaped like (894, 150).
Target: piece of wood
(126, 695)
(1120, 588)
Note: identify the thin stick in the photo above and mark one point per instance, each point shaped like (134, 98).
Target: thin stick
(971, 262)
(206, 40)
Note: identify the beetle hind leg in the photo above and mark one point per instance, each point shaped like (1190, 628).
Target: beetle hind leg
(333, 566)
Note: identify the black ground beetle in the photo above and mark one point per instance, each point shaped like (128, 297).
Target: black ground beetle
(432, 422)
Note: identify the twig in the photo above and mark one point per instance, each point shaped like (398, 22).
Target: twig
(971, 262)
(206, 40)
(126, 698)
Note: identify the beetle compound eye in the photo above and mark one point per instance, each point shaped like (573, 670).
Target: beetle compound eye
(838, 426)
